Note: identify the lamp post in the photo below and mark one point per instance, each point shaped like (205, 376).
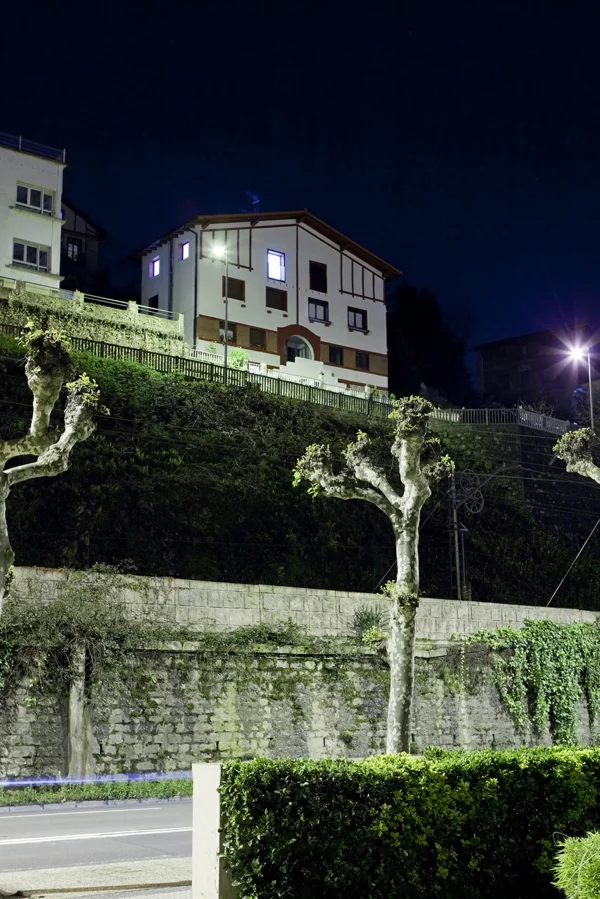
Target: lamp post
(581, 354)
(220, 252)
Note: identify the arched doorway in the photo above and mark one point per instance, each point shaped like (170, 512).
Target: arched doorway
(297, 348)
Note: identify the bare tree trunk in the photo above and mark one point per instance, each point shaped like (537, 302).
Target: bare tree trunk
(7, 556)
(401, 646)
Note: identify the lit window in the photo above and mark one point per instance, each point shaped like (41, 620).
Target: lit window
(30, 255)
(318, 311)
(275, 265)
(184, 250)
(35, 199)
(154, 267)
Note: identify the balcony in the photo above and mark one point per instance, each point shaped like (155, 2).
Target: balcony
(14, 142)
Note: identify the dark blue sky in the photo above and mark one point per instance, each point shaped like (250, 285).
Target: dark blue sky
(459, 140)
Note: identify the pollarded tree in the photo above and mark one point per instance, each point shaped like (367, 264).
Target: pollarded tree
(48, 368)
(574, 448)
(420, 463)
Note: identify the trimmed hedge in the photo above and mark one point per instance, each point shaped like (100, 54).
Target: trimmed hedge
(451, 824)
(98, 792)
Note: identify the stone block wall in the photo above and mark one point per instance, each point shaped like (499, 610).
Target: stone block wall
(215, 606)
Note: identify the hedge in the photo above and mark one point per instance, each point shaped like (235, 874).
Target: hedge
(451, 824)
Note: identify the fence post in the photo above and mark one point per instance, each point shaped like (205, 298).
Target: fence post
(210, 879)
(487, 416)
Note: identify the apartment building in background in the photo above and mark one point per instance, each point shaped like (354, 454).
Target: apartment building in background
(31, 178)
(533, 366)
(300, 293)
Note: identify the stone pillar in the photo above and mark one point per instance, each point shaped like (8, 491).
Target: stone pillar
(77, 715)
(210, 880)
(78, 297)
(132, 307)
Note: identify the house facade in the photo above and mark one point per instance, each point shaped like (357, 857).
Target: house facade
(81, 241)
(31, 178)
(300, 293)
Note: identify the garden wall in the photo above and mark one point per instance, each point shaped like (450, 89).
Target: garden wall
(216, 606)
(173, 705)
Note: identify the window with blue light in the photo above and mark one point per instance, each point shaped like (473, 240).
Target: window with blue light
(154, 268)
(184, 250)
(275, 265)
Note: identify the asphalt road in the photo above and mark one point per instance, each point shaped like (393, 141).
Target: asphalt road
(94, 833)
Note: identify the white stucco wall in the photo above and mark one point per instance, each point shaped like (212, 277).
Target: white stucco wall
(247, 251)
(28, 226)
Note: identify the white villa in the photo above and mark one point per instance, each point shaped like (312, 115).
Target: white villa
(300, 293)
(31, 177)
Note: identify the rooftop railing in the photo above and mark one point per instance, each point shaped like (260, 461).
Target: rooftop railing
(17, 142)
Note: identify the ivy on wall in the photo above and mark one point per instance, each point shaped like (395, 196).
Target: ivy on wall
(543, 671)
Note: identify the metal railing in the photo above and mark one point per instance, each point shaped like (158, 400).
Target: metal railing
(378, 407)
(61, 293)
(17, 142)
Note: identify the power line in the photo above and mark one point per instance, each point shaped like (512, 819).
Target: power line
(573, 562)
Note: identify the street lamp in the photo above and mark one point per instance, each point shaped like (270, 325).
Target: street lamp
(580, 354)
(220, 252)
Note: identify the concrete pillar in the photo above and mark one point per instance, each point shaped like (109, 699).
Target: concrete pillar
(78, 297)
(132, 307)
(77, 716)
(210, 880)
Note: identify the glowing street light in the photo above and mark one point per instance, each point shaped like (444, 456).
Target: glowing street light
(580, 354)
(220, 252)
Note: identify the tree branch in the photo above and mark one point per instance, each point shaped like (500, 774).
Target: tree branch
(574, 448)
(316, 468)
(363, 469)
(79, 424)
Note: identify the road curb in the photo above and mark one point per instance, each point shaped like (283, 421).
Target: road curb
(97, 889)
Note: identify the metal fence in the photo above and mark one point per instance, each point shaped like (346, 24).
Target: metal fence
(378, 407)
(16, 142)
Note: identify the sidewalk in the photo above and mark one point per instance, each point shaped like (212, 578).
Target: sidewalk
(156, 876)
(167, 893)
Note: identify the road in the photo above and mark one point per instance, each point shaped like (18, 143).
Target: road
(94, 833)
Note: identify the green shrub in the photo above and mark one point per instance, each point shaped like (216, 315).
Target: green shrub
(450, 824)
(366, 618)
(98, 792)
(578, 867)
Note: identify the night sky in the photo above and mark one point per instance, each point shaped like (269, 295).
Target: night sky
(459, 141)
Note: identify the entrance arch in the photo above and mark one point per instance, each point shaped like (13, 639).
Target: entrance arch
(294, 332)
(297, 347)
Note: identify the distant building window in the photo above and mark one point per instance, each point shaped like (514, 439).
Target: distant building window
(35, 199)
(153, 302)
(277, 299)
(184, 250)
(357, 319)
(258, 338)
(275, 265)
(154, 267)
(230, 332)
(74, 249)
(236, 289)
(336, 355)
(31, 256)
(362, 361)
(318, 311)
(318, 276)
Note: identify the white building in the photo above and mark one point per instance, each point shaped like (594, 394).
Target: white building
(301, 294)
(31, 177)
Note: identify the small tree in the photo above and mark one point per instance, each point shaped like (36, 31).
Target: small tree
(574, 448)
(420, 463)
(48, 368)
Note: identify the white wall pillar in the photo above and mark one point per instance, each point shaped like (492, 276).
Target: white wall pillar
(210, 880)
